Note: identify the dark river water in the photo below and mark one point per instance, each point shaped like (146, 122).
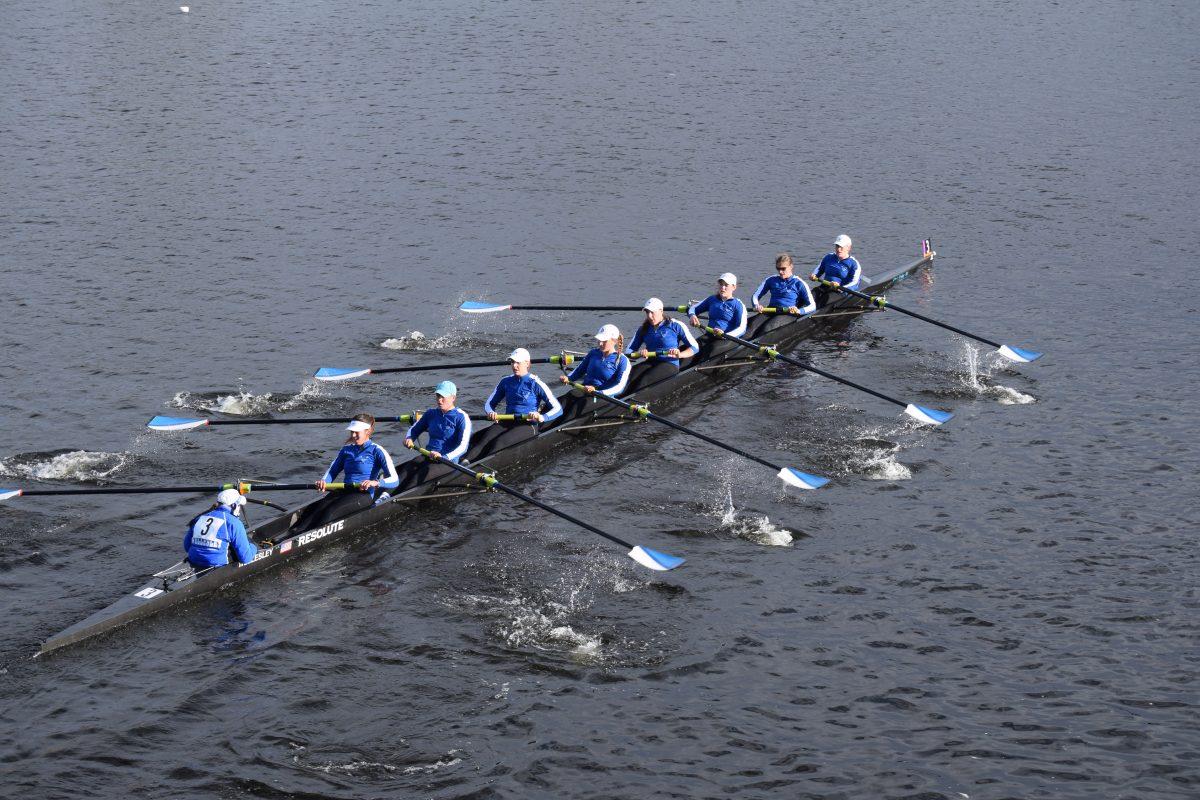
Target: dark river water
(201, 209)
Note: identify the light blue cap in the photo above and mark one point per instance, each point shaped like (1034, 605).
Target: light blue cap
(446, 389)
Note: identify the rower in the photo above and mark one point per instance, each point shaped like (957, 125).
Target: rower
(838, 267)
(787, 294)
(211, 534)
(523, 394)
(364, 463)
(662, 341)
(604, 369)
(725, 313)
(449, 432)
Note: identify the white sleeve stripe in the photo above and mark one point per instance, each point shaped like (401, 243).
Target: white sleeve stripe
(391, 480)
(761, 287)
(687, 335)
(741, 326)
(619, 386)
(488, 405)
(555, 408)
(466, 439)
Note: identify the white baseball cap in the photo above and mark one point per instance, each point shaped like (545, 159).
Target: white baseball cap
(653, 304)
(842, 240)
(608, 332)
(231, 497)
(520, 354)
(728, 278)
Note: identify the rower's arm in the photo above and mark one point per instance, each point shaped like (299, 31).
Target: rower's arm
(555, 409)
(388, 479)
(240, 541)
(739, 326)
(619, 379)
(463, 429)
(489, 405)
(805, 294)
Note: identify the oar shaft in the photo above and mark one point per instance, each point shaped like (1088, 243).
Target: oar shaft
(884, 303)
(241, 487)
(645, 412)
(772, 352)
(559, 359)
(492, 483)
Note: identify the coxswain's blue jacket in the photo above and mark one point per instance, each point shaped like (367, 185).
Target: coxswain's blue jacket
(785, 293)
(368, 462)
(608, 374)
(449, 433)
(663, 336)
(522, 395)
(846, 271)
(724, 315)
(209, 536)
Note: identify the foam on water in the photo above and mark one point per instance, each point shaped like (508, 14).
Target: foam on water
(977, 371)
(873, 456)
(241, 403)
(756, 528)
(73, 465)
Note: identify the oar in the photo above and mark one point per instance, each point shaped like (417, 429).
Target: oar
(1008, 351)
(475, 307)
(929, 416)
(340, 374)
(651, 559)
(789, 475)
(6, 494)
(161, 423)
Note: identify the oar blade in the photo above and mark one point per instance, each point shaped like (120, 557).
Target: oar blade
(652, 559)
(161, 423)
(801, 480)
(338, 374)
(8, 494)
(1018, 354)
(927, 416)
(475, 307)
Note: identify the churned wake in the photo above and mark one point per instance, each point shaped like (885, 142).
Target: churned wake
(72, 465)
(875, 458)
(977, 373)
(756, 528)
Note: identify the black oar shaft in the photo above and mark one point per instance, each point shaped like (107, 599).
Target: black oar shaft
(645, 412)
(244, 486)
(576, 308)
(773, 353)
(491, 482)
(883, 303)
(430, 367)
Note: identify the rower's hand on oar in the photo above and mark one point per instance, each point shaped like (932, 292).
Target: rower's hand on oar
(435, 455)
(408, 443)
(492, 416)
(320, 486)
(367, 486)
(533, 416)
(758, 307)
(673, 352)
(643, 353)
(695, 320)
(793, 310)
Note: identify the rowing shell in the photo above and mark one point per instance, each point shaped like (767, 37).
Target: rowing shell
(181, 583)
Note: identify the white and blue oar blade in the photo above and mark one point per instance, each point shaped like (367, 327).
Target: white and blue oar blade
(801, 480)
(652, 559)
(1018, 355)
(8, 494)
(475, 307)
(928, 416)
(175, 423)
(338, 374)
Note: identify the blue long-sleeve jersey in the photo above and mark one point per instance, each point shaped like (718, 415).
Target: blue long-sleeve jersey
(785, 293)
(523, 395)
(210, 535)
(368, 462)
(724, 315)
(846, 271)
(663, 336)
(608, 374)
(449, 433)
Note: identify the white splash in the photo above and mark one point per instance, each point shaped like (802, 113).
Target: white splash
(311, 390)
(417, 341)
(978, 372)
(886, 468)
(242, 403)
(756, 528)
(449, 760)
(77, 465)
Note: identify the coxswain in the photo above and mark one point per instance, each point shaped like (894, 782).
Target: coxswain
(783, 291)
(449, 435)
(725, 313)
(363, 463)
(662, 341)
(605, 369)
(523, 394)
(837, 267)
(211, 534)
